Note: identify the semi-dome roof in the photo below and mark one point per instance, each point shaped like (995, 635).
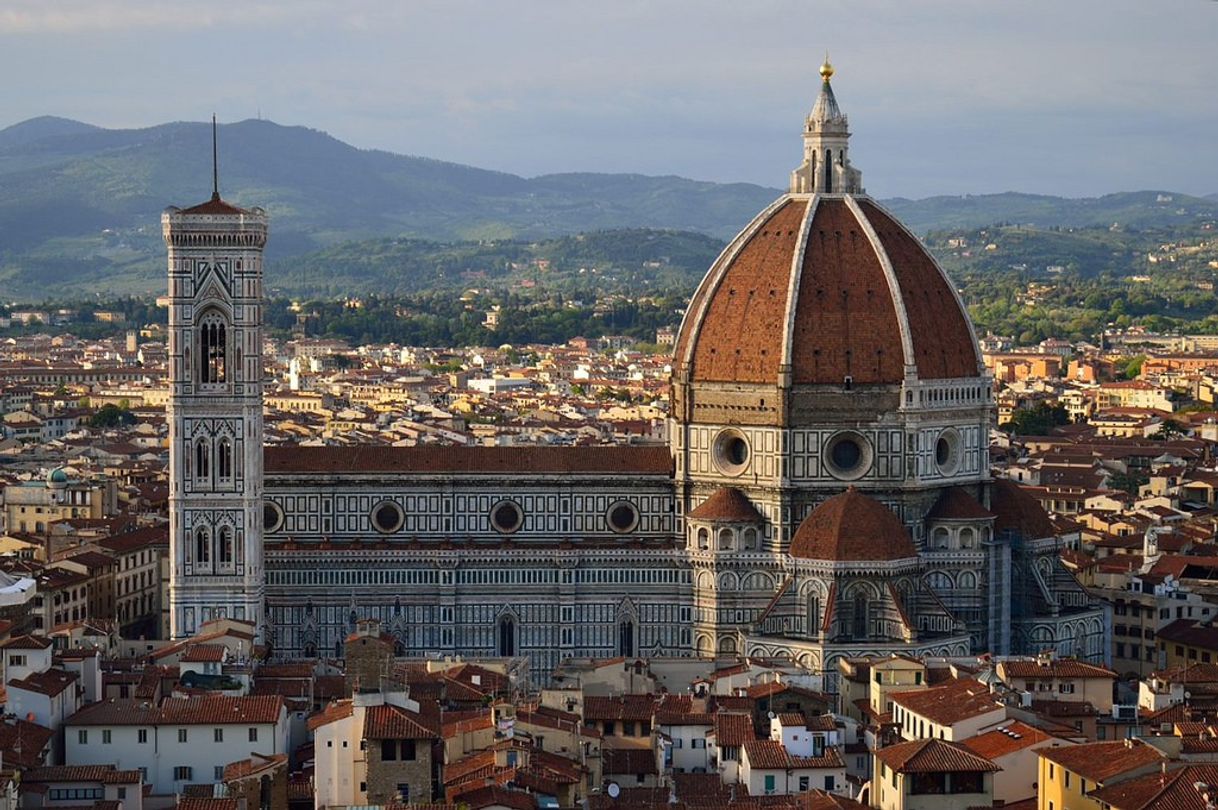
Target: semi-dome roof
(727, 505)
(1019, 512)
(831, 286)
(851, 527)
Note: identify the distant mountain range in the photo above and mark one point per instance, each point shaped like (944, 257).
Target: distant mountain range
(80, 205)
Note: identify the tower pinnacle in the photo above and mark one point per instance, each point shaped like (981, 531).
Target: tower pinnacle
(215, 162)
(826, 167)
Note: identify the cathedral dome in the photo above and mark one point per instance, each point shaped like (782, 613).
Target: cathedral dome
(825, 287)
(852, 527)
(836, 290)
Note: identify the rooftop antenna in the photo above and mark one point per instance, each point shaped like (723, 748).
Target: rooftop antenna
(215, 162)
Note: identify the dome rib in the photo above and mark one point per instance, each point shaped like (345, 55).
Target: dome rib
(691, 324)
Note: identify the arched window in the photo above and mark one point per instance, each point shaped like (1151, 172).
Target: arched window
(625, 638)
(967, 537)
(507, 638)
(813, 614)
(940, 538)
(727, 539)
(750, 539)
(202, 460)
(828, 171)
(703, 539)
(213, 349)
(202, 547)
(861, 611)
(224, 460)
(226, 545)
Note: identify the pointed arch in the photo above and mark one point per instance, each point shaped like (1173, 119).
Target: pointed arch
(506, 644)
(625, 637)
(227, 547)
(202, 549)
(212, 356)
(202, 460)
(224, 459)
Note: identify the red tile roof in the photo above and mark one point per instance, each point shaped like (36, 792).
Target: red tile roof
(950, 703)
(1156, 791)
(215, 206)
(106, 774)
(852, 527)
(933, 756)
(733, 729)
(1011, 737)
(1019, 511)
(955, 503)
(727, 505)
(437, 459)
(771, 755)
(52, 683)
(1102, 761)
(1054, 668)
(397, 723)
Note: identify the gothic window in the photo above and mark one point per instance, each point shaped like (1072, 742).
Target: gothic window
(625, 638)
(224, 460)
(750, 539)
(226, 546)
(507, 638)
(202, 547)
(859, 619)
(727, 539)
(213, 349)
(703, 539)
(828, 171)
(202, 460)
(813, 614)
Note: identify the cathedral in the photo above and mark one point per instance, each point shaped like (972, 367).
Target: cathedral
(826, 492)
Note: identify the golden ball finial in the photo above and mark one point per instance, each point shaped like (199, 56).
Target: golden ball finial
(826, 70)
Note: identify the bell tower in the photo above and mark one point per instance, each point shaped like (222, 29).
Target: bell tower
(215, 412)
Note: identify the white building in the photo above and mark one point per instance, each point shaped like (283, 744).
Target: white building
(181, 742)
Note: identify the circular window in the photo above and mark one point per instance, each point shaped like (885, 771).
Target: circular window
(848, 456)
(387, 517)
(506, 517)
(947, 452)
(623, 517)
(731, 452)
(272, 517)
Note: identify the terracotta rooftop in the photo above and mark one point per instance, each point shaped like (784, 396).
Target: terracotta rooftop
(1101, 761)
(728, 505)
(839, 311)
(439, 459)
(1006, 739)
(1054, 668)
(1174, 790)
(733, 729)
(933, 756)
(950, 703)
(955, 503)
(394, 722)
(1018, 510)
(215, 206)
(852, 527)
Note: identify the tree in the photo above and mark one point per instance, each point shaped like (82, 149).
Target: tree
(1134, 367)
(1036, 421)
(110, 416)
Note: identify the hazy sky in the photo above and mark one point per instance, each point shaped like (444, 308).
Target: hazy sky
(1076, 97)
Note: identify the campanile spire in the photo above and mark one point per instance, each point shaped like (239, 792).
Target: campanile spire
(826, 167)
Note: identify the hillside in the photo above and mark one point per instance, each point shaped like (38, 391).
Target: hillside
(80, 205)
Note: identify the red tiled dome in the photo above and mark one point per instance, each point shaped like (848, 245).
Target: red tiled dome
(834, 287)
(728, 505)
(1018, 511)
(852, 527)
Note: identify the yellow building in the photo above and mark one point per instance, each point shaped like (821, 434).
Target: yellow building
(1066, 775)
(931, 774)
(33, 506)
(1187, 641)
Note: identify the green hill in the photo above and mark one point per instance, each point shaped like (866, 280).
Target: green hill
(80, 206)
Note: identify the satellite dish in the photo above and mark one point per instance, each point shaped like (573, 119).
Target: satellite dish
(613, 790)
